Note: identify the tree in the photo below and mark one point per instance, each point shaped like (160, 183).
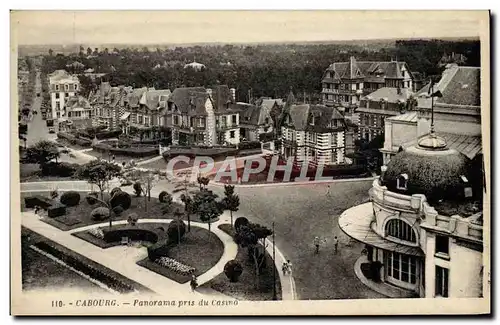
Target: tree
(203, 182)
(146, 180)
(51, 52)
(231, 200)
(89, 51)
(99, 172)
(233, 270)
(253, 236)
(206, 206)
(42, 152)
(188, 208)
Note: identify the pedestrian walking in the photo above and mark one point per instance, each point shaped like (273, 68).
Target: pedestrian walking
(284, 268)
(289, 267)
(336, 244)
(316, 243)
(194, 283)
(36, 209)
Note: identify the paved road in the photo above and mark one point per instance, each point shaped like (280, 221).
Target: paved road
(37, 128)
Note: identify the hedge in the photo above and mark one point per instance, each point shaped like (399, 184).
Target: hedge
(109, 280)
(59, 169)
(249, 145)
(160, 249)
(74, 140)
(134, 233)
(56, 210)
(37, 200)
(108, 134)
(71, 198)
(132, 151)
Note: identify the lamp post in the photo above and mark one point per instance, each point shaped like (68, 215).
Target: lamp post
(275, 297)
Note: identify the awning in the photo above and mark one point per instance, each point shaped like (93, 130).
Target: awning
(125, 116)
(356, 223)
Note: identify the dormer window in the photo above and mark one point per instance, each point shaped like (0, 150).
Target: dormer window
(402, 182)
(313, 120)
(466, 186)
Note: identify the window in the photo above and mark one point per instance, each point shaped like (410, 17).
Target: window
(399, 229)
(57, 87)
(266, 121)
(139, 119)
(312, 120)
(402, 181)
(402, 267)
(58, 106)
(231, 134)
(57, 95)
(66, 94)
(442, 281)
(442, 245)
(66, 87)
(201, 122)
(233, 119)
(75, 87)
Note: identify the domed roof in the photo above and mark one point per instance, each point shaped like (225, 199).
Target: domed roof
(430, 168)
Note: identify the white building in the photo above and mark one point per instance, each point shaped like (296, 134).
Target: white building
(62, 86)
(313, 134)
(424, 225)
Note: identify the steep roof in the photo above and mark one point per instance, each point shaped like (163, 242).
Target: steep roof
(190, 100)
(373, 70)
(299, 115)
(459, 86)
(134, 96)
(249, 114)
(77, 102)
(221, 96)
(152, 97)
(389, 94)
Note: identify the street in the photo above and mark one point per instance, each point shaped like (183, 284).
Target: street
(37, 129)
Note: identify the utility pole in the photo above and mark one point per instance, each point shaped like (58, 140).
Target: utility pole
(275, 297)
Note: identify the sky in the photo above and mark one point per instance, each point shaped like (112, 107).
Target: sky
(143, 27)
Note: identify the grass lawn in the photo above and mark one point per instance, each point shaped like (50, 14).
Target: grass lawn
(41, 272)
(199, 248)
(302, 212)
(80, 215)
(245, 288)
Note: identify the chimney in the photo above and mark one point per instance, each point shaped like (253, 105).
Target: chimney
(233, 94)
(209, 92)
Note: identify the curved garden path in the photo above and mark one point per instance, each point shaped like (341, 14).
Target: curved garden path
(122, 259)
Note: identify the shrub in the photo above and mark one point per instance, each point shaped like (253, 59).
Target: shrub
(137, 189)
(92, 198)
(176, 230)
(70, 198)
(164, 197)
(118, 210)
(249, 145)
(159, 249)
(56, 210)
(100, 213)
(115, 190)
(96, 232)
(59, 169)
(121, 198)
(239, 222)
(233, 270)
(132, 219)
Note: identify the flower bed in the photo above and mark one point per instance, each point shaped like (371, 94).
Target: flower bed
(97, 232)
(175, 266)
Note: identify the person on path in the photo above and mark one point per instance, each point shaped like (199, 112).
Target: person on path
(36, 209)
(194, 283)
(284, 268)
(336, 244)
(289, 267)
(316, 243)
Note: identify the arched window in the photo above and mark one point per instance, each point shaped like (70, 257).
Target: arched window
(399, 229)
(402, 181)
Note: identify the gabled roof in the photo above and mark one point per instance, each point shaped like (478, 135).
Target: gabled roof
(221, 96)
(152, 97)
(389, 94)
(77, 102)
(190, 100)
(299, 115)
(134, 96)
(249, 114)
(375, 70)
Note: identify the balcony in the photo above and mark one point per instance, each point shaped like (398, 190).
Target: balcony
(330, 91)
